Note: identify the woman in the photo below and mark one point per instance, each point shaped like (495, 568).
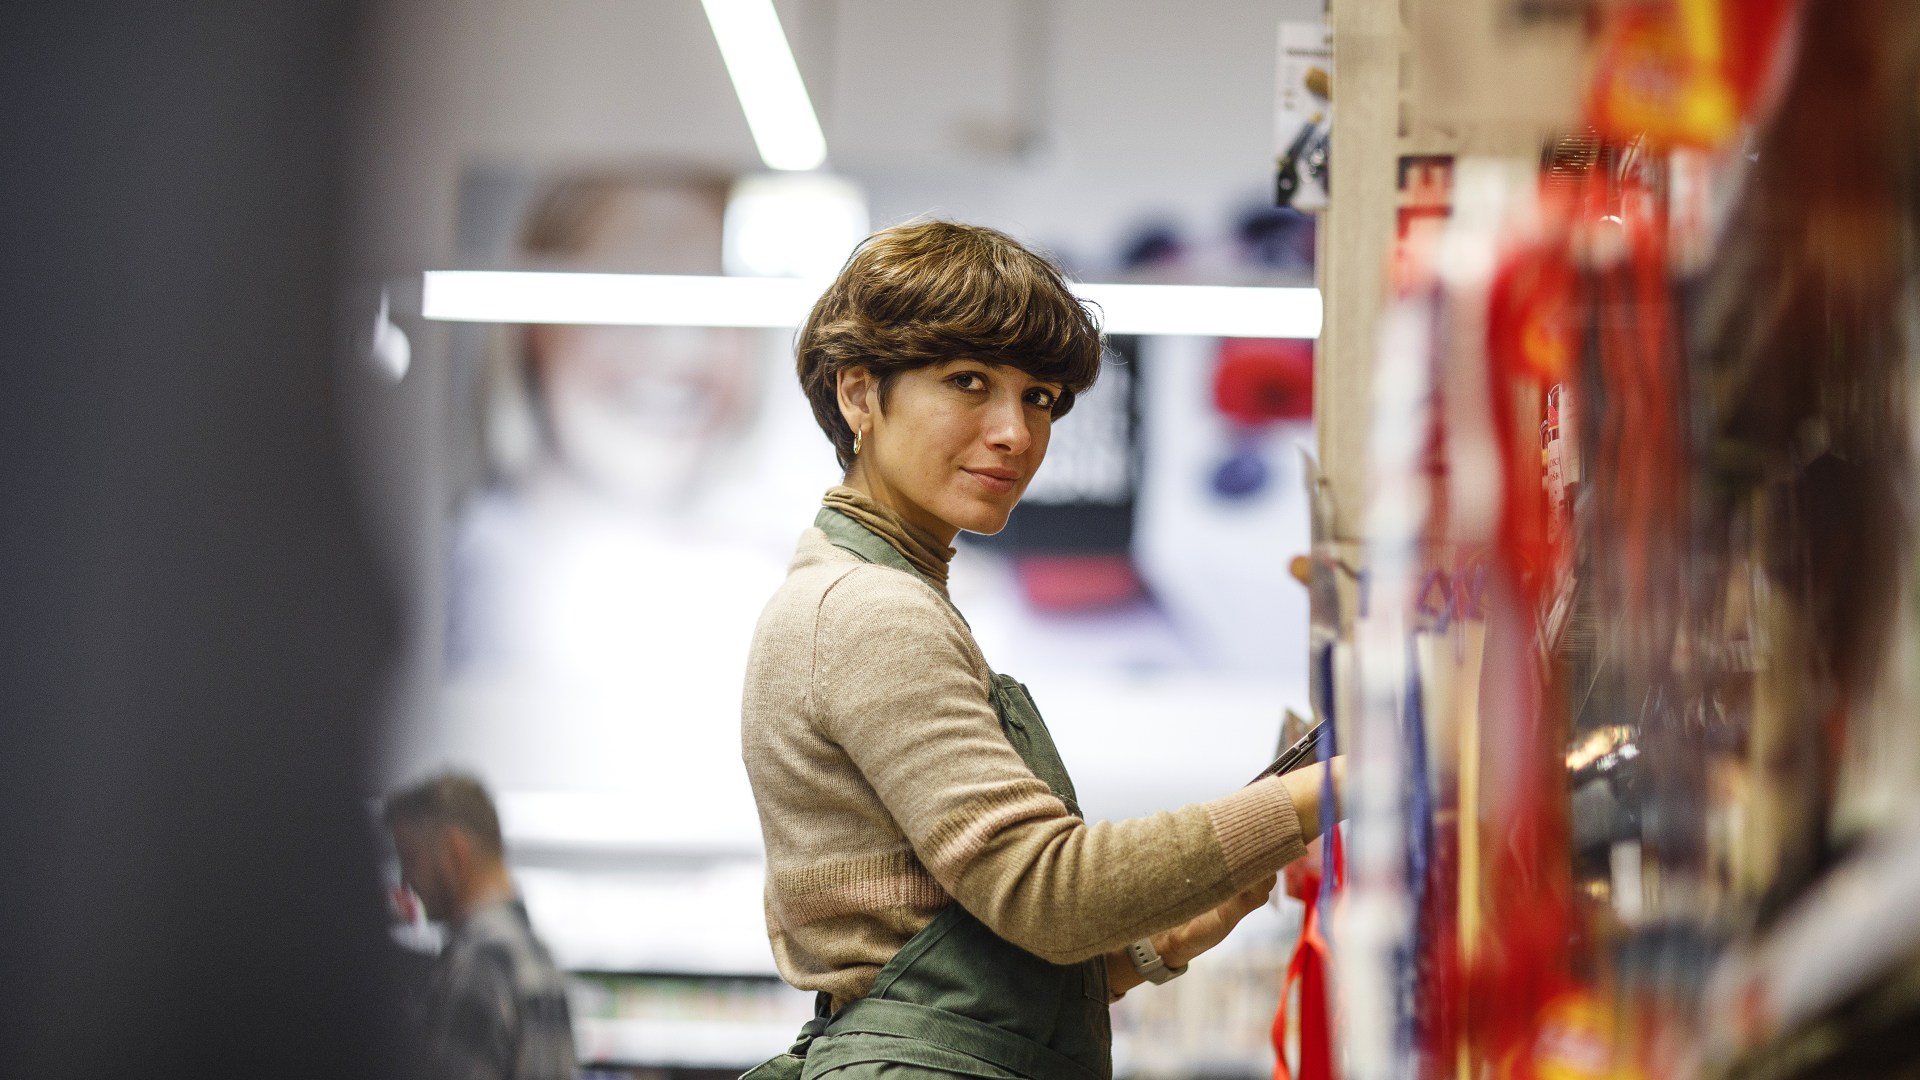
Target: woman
(929, 873)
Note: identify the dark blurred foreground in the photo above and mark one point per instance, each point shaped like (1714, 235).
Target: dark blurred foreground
(192, 634)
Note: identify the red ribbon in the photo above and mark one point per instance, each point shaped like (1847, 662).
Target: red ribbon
(1312, 959)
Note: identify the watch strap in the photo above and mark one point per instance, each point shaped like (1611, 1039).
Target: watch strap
(1150, 965)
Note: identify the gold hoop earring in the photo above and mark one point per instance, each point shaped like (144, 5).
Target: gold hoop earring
(857, 437)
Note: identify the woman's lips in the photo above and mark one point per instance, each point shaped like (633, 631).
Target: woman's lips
(997, 481)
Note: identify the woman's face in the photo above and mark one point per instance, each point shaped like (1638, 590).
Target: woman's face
(956, 444)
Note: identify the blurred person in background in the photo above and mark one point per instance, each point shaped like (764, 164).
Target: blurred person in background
(929, 872)
(495, 1006)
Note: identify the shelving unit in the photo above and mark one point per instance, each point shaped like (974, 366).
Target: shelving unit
(1764, 920)
(680, 1022)
(1847, 955)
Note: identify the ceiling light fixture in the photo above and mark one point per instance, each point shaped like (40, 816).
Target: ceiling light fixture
(500, 296)
(1207, 310)
(768, 83)
(792, 225)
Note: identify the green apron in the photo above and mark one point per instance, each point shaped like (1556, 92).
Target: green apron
(958, 999)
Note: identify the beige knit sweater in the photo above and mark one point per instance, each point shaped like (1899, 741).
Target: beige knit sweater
(886, 791)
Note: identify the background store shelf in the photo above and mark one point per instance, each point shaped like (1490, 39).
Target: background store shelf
(1852, 940)
(684, 1044)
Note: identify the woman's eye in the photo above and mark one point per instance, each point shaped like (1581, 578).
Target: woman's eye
(968, 380)
(1041, 399)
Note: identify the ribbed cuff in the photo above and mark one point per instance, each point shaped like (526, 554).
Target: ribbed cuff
(1259, 830)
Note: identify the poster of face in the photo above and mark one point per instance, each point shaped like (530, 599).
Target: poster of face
(639, 492)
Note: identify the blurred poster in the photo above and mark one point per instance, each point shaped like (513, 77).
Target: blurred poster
(639, 490)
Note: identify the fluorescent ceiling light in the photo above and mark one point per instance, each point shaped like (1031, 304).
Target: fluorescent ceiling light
(768, 83)
(617, 299)
(792, 225)
(495, 296)
(1207, 310)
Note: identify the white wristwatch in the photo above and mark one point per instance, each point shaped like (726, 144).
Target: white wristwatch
(1149, 965)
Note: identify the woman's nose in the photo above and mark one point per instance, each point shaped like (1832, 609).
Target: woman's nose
(1007, 429)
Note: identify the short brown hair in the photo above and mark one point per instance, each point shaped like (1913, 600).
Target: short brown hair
(932, 291)
(451, 799)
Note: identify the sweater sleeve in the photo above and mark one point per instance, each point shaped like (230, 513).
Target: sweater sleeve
(899, 686)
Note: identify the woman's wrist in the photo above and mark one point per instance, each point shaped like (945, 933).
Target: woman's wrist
(1122, 976)
(1305, 786)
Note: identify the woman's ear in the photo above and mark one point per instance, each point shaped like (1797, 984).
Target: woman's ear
(859, 396)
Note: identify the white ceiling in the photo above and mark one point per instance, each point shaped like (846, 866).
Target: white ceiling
(1064, 120)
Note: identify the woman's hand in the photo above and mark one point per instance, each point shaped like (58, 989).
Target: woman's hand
(1304, 786)
(1181, 944)
(1202, 932)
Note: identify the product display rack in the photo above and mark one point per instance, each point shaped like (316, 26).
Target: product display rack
(1635, 637)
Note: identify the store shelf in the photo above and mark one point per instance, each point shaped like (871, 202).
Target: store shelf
(1853, 929)
(683, 1020)
(681, 1044)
